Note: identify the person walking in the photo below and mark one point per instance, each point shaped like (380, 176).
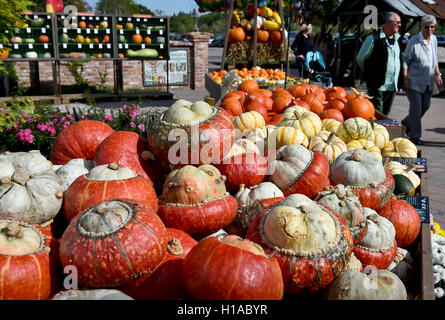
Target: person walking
(301, 46)
(380, 60)
(420, 70)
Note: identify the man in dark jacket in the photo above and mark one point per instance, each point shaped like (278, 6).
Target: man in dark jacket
(380, 60)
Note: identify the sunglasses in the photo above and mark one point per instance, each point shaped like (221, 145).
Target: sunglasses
(429, 27)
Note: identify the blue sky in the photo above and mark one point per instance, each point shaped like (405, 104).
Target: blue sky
(169, 7)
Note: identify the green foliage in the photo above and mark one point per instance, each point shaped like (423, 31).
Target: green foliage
(213, 22)
(182, 23)
(76, 68)
(122, 7)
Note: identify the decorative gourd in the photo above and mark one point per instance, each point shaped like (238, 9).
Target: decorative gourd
(403, 186)
(105, 183)
(285, 136)
(328, 143)
(359, 106)
(330, 125)
(400, 147)
(231, 269)
(379, 246)
(203, 133)
(380, 134)
(91, 294)
(166, 282)
(195, 200)
(299, 170)
(131, 233)
(137, 38)
(249, 120)
(335, 93)
(300, 118)
(130, 150)
(354, 129)
(27, 261)
(377, 285)
(395, 167)
(343, 200)
(72, 170)
(243, 165)
(365, 145)
(258, 107)
(79, 140)
(405, 219)
(262, 137)
(29, 188)
(310, 242)
(365, 173)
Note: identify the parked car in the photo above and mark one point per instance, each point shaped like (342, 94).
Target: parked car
(440, 40)
(217, 40)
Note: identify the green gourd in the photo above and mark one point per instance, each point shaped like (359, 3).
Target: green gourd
(142, 53)
(403, 186)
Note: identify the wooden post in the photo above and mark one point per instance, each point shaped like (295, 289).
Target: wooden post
(340, 32)
(226, 38)
(255, 35)
(357, 41)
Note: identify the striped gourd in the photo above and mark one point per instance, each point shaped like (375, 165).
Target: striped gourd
(380, 135)
(249, 120)
(330, 125)
(354, 129)
(400, 147)
(289, 135)
(328, 143)
(302, 119)
(366, 145)
(396, 167)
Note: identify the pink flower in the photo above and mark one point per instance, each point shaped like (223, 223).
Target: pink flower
(82, 117)
(25, 135)
(51, 130)
(124, 107)
(25, 116)
(141, 127)
(108, 118)
(65, 124)
(132, 124)
(41, 126)
(133, 113)
(69, 116)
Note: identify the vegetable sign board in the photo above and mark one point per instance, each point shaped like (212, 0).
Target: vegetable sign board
(155, 72)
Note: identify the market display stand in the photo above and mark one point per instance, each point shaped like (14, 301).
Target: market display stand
(253, 61)
(91, 37)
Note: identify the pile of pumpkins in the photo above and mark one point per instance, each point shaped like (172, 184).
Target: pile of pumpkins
(167, 216)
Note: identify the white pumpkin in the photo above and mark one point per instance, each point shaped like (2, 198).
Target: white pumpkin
(185, 112)
(29, 188)
(72, 170)
(91, 294)
(265, 190)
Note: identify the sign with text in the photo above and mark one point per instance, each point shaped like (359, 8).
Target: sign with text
(155, 72)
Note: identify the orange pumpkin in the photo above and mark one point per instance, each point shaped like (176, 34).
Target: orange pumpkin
(258, 107)
(335, 93)
(4, 54)
(276, 37)
(265, 92)
(232, 105)
(121, 56)
(249, 86)
(337, 104)
(240, 95)
(96, 40)
(147, 40)
(262, 35)
(43, 39)
(299, 90)
(82, 24)
(137, 38)
(99, 56)
(281, 100)
(316, 105)
(331, 114)
(236, 35)
(359, 106)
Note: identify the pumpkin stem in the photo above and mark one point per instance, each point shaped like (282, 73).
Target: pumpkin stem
(13, 230)
(59, 195)
(373, 217)
(357, 157)
(297, 115)
(174, 247)
(409, 168)
(355, 91)
(305, 209)
(102, 208)
(20, 176)
(331, 136)
(371, 119)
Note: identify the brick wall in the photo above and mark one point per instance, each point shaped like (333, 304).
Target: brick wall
(131, 76)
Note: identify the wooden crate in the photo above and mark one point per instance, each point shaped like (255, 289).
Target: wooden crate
(395, 129)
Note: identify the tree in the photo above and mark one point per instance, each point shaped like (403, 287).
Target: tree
(182, 23)
(121, 7)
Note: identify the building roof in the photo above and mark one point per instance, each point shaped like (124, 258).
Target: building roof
(434, 7)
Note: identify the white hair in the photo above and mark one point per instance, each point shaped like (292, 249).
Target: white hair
(427, 19)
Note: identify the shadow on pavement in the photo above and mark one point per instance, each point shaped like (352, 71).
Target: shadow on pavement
(437, 130)
(436, 144)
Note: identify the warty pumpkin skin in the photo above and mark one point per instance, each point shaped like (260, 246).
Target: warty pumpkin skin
(366, 175)
(79, 140)
(354, 285)
(310, 242)
(29, 188)
(165, 283)
(231, 269)
(344, 201)
(195, 200)
(130, 150)
(128, 233)
(28, 256)
(405, 219)
(379, 246)
(105, 183)
(191, 120)
(299, 170)
(91, 294)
